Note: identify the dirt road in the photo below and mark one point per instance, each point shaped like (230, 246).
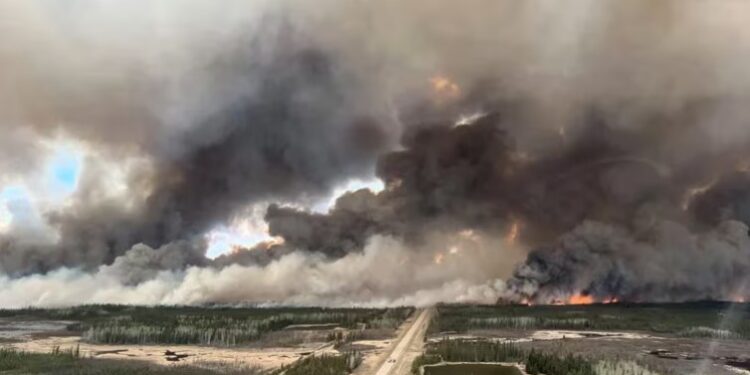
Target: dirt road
(408, 347)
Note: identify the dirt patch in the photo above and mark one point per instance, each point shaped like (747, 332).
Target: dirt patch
(678, 355)
(562, 335)
(268, 358)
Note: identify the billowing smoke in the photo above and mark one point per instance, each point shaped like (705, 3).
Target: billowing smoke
(606, 139)
(664, 263)
(374, 277)
(284, 122)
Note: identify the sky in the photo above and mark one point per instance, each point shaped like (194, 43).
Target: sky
(23, 201)
(20, 203)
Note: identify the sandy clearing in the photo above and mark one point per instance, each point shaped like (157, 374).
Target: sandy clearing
(559, 335)
(504, 340)
(267, 358)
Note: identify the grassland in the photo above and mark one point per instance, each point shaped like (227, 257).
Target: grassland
(215, 326)
(700, 320)
(643, 339)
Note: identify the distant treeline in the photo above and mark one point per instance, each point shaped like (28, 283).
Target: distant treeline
(687, 320)
(218, 326)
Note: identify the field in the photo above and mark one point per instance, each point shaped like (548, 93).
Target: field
(599, 339)
(14, 362)
(687, 320)
(116, 339)
(615, 339)
(220, 326)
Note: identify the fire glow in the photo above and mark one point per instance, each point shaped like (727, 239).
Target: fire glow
(578, 299)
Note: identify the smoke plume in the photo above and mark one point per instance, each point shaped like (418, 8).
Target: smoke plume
(529, 151)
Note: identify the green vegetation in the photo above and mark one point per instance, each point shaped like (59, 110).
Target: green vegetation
(22, 362)
(69, 362)
(323, 365)
(475, 351)
(551, 364)
(621, 368)
(708, 333)
(216, 326)
(536, 362)
(422, 360)
(689, 320)
(471, 368)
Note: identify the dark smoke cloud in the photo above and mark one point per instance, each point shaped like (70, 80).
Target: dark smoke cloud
(472, 176)
(446, 178)
(665, 263)
(293, 132)
(603, 123)
(614, 204)
(727, 199)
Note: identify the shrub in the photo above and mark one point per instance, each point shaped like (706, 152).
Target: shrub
(621, 368)
(323, 365)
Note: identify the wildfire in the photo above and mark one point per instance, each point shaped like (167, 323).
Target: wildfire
(583, 299)
(439, 258)
(580, 299)
(444, 88)
(512, 235)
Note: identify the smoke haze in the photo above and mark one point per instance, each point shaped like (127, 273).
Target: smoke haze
(529, 151)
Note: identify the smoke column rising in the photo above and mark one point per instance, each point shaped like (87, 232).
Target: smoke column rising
(610, 137)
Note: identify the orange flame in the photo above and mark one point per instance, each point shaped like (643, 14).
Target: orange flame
(439, 258)
(580, 299)
(584, 299)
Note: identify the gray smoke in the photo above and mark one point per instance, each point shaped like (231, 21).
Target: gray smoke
(666, 262)
(596, 130)
(285, 122)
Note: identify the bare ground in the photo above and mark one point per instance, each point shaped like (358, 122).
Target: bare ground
(679, 355)
(273, 351)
